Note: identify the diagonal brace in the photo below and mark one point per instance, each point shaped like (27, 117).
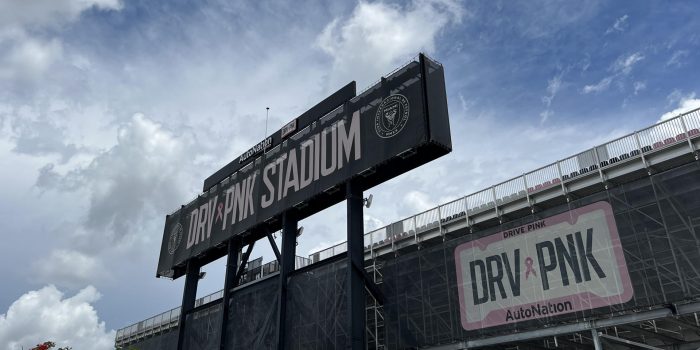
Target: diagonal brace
(244, 261)
(273, 244)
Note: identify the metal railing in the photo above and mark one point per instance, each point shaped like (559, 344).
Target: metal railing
(635, 145)
(632, 146)
(171, 318)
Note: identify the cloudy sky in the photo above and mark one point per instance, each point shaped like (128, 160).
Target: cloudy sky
(112, 113)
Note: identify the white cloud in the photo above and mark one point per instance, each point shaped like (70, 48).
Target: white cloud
(43, 13)
(45, 314)
(379, 36)
(129, 183)
(620, 68)
(624, 65)
(545, 115)
(372, 223)
(677, 59)
(69, 268)
(619, 26)
(553, 87)
(685, 104)
(639, 86)
(26, 56)
(602, 85)
(417, 201)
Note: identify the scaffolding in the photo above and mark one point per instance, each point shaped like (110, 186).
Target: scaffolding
(650, 178)
(375, 310)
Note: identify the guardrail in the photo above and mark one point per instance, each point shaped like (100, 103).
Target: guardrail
(635, 145)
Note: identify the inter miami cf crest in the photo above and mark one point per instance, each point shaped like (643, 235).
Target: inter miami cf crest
(392, 115)
(175, 238)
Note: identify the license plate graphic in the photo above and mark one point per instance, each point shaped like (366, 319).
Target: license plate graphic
(562, 264)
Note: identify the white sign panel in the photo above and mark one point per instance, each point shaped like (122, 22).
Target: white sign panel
(562, 264)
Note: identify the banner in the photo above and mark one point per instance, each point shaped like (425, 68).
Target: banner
(562, 264)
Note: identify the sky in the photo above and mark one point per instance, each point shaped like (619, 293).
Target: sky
(113, 112)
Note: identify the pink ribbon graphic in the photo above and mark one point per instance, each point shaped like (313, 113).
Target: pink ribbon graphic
(530, 269)
(220, 215)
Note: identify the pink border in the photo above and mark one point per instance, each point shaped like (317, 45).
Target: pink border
(580, 301)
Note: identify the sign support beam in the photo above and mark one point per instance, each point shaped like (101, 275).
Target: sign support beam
(244, 261)
(189, 296)
(234, 251)
(274, 247)
(289, 243)
(356, 281)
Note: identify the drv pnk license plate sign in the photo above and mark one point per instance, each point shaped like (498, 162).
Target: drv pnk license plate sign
(562, 264)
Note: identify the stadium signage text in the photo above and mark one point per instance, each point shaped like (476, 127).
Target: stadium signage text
(394, 126)
(263, 145)
(566, 263)
(321, 155)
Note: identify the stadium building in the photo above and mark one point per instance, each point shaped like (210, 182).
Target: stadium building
(595, 251)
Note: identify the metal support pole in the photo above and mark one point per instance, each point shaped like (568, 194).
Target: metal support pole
(527, 194)
(274, 247)
(356, 295)
(495, 204)
(189, 295)
(561, 177)
(234, 251)
(687, 137)
(597, 344)
(289, 244)
(600, 166)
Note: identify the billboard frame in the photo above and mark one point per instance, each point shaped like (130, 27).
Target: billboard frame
(433, 141)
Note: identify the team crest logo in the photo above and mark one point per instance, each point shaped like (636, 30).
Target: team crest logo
(175, 238)
(392, 115)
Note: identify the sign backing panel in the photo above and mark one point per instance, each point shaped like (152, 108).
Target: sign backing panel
(389, 129)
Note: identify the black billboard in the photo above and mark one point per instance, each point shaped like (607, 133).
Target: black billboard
(396, 125)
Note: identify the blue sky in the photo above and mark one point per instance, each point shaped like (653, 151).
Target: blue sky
(112, 112)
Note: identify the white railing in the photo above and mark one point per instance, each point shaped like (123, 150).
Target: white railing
(635, 145)
(656, 137)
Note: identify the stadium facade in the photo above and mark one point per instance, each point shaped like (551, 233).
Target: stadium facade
(598, 250)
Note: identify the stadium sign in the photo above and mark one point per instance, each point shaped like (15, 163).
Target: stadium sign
(394, 126)
(565, 263)
(263, 145)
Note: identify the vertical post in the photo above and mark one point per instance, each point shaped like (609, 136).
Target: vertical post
(495, 203)
(234, 251)
(597, 345)
(289, 243)
(687, 137)
(189, 296)
(415, 232)
(600, 165)
(527, 194)
(356, 295)
(561, 177)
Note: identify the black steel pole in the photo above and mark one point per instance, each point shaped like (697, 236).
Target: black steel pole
(356, 296)
(289, 243)
(189, 296)
(234, 251)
